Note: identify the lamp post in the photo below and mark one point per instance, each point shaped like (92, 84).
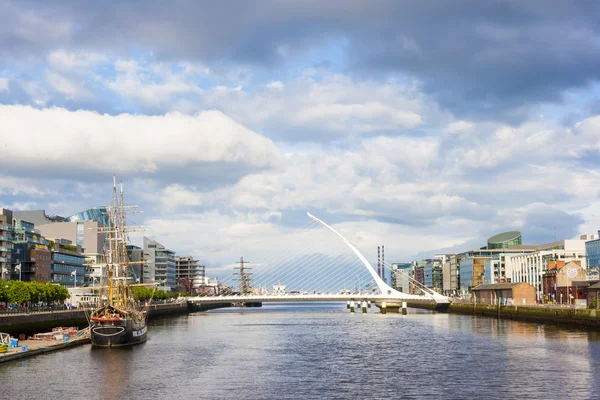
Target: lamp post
(74, 273)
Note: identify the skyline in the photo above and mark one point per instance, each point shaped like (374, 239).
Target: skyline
(418, 126)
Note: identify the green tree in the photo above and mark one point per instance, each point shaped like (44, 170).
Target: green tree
(18, 292)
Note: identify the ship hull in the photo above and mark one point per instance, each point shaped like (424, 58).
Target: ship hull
(123, 332)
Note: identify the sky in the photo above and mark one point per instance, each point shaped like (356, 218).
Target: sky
(422, 126)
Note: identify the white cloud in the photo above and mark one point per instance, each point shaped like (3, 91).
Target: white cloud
(4, 84)
(335, 106)
(139, 82)
(37, 93)
(79, 61)
(128, 143)
(70, 89)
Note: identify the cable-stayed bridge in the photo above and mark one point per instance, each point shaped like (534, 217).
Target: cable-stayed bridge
(317, 268)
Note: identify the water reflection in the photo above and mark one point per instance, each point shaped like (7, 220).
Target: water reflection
(322, 351)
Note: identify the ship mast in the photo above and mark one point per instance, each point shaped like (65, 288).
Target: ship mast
(117, 260)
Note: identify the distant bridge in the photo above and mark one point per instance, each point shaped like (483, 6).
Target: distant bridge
(325, 268)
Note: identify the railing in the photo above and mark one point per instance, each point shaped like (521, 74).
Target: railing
(15, 310)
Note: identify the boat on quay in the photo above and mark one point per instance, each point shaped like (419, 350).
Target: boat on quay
(119, 320)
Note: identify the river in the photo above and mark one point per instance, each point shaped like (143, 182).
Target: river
(321, 351)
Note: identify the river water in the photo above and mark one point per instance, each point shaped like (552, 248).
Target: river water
(321, 351)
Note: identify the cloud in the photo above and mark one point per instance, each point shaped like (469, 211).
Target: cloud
(495, 62)
(4, 85)
(74, 61)
(322, 110)
(87, 141)
(68, 88)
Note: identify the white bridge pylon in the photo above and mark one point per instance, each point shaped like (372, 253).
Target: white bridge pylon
(383, 287)
(387, 293)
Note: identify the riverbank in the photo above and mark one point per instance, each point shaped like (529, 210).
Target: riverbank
(546, 314)
(36, 347)
(28, 324)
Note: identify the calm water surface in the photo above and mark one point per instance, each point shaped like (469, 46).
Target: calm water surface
(320, 351)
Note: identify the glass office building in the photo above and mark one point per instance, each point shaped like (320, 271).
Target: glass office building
(504, 240)
(93, 214)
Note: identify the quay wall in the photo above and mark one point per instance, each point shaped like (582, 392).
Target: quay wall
(29, 324)
(547, 314)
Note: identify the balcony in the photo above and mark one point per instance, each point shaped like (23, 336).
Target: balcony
(5, 238)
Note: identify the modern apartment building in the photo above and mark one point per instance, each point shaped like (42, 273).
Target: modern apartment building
(401, 276)
(27, 239)
(592, 255)
(450, 281)
(136, 258)
(68, 263)
(189, 273)
(5, 243)
(161, 266)
(529, 267)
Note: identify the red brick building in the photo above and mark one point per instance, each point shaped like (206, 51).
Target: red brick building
(564, 283)
(517, 293)
(41, 264)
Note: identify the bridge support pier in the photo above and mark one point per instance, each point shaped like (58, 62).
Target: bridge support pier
(364, 307)
(404, 308)
(348, 305)
(352, 306)
(383, 307)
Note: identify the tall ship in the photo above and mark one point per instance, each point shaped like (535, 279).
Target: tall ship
(119, 320)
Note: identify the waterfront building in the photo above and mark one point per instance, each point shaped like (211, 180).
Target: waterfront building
(472, 272)
(161, 266)
(592, 255)
(82, 297)
(29, 245)
(85, 234)
(433, 274)
(564, 282)
(529, 267)
(190, 274)
(99, 215)
(136, 257)
(516, 294)
(419, 276)
(68, 263)
(5, 243)
(37, 217)
(402, 274)
(41, 264)
(504, 240)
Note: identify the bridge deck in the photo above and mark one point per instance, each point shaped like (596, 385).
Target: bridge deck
(312, 297)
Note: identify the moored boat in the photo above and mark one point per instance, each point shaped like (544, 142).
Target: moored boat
(119, 320)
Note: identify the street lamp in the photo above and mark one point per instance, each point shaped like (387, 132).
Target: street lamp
(74, 273)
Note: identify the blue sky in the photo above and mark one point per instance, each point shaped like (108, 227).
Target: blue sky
(419, 125)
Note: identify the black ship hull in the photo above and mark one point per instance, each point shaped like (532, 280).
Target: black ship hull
(124, 332)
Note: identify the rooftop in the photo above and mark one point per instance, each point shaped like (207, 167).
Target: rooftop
(504, 237)
(498, 286)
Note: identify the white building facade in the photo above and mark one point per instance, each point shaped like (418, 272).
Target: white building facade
(529, 267)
